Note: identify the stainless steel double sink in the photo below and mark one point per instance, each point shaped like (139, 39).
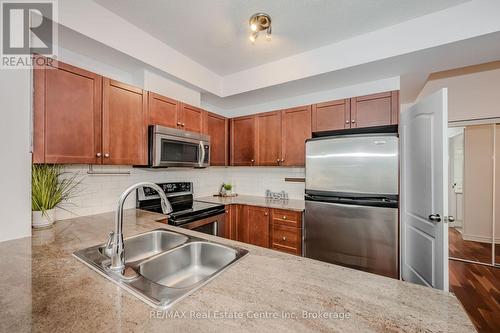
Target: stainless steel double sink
(166, 265)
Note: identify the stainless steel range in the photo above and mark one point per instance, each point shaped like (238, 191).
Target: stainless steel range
(187, 213)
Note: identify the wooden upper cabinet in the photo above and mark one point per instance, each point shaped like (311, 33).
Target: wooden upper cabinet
(328, 116)
(168, 112)
(124, 124)
(67, 115)
(243, 140)
(163, 110)
(190, 118)
(269, 138)
(217, 128)
(296, 129)
(375, 110)
(257, 225)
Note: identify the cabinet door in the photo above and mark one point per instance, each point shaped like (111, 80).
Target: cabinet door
(375, 110)
(67, 115)
(328, 116)
(217, 128)
(231, 222)
(257, 221)
(162, 110)
(296, 129)
(269, 138)
(286, 239)
(243, 140)
(124, 124)
(191, 118)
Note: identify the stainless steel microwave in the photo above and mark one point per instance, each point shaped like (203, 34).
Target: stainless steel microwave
(170, 147)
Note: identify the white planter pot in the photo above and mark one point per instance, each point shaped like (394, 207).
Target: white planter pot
(40, 220)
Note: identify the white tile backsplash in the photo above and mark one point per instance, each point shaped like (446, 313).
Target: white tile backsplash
(99, 194)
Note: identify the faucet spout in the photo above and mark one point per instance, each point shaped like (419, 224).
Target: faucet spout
(118, 250)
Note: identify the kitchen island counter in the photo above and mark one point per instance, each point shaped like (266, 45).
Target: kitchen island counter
(43, 288)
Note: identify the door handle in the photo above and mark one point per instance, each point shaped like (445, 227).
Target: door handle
(435, 218)
(202, 154)
(449, 219)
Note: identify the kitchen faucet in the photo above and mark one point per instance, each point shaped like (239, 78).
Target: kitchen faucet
(116, 238)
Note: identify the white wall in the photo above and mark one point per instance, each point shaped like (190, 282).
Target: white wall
(15, 169)
(478, 183)
(99, 194)
(163, 86)
(104, 26)
(473, 92)
(366, 88)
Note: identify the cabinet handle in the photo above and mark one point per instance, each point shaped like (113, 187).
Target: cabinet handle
(98, 154)
(282, 160)
(183, 124)
(265, 213)
(278, 161)
(227, 211)
(284, 217)
(283, 238)
(179, 124)
(252, 161)
(353, 121)
(106, 155)
(347, 121)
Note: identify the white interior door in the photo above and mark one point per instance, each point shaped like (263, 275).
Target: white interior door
(452, 197)
(424, 192)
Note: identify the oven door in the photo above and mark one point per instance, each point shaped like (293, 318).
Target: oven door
(213, 225)
(173, 151)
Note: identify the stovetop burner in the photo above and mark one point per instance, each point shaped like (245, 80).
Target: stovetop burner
(180, 196)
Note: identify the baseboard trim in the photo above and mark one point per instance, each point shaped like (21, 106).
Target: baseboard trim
(480, 239)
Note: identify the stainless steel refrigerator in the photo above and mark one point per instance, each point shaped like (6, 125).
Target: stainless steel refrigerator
(351, 215)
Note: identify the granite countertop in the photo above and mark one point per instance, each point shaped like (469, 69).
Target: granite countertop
(43, 288)
(290, 204)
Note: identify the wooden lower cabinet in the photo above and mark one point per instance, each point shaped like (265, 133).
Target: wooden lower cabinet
(254, 226)
(278, 229)
(286, 231)
(286, 239)
(231, 221)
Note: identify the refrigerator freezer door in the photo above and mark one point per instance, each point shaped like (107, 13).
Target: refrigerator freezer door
(360, 237)
(366, 164)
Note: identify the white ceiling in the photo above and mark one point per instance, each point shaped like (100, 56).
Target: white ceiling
(214, 33)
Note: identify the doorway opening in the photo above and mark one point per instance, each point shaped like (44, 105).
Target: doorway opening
(473, 193)
(474, 235)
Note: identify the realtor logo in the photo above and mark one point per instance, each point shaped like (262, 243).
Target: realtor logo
(27, 28)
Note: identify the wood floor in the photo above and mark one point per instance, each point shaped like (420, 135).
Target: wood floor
(463, 249)
(478, 289)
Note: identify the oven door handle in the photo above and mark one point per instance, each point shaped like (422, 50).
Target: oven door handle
(181, 221)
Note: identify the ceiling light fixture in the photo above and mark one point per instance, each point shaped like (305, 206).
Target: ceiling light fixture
(259, 22)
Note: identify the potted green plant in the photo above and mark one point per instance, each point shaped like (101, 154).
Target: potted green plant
(227, 189)
(48, 191)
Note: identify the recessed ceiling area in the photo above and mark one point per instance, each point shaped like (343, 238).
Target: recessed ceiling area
(215, 33)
